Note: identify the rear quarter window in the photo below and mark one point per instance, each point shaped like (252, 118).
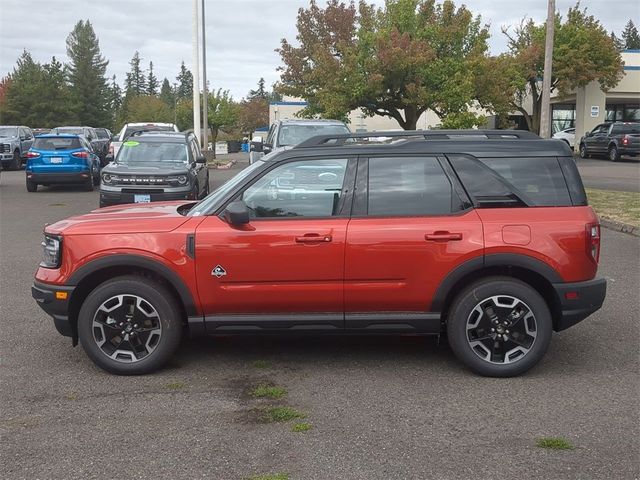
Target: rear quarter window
(56, 143)
(537, 181)
(628, 129)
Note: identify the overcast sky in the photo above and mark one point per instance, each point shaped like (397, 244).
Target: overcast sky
(241, 34)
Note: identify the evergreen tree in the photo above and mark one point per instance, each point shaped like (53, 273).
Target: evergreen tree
(55, 94)
(135, 83)
(618, 42)
(260, 92)
(631, 37)
(152, 82)
(86, 76)
(185, 83)
(114, 101)
(167, 94)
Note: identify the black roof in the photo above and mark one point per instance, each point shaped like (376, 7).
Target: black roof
(479, 143)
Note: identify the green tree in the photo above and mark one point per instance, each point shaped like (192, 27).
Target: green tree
(583, 52)
(146, 108)
(185, 83)
(223, 113)
(55, 93)
(260, 92)
(396, 61)
(630, 36)
(152, 82)
(114, 101)
(167, 94)
(252, 114)
(618, 42)
(86, 76)
(135, 83)
(184, 114)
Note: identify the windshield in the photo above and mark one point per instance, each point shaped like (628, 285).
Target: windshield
(147, 128)
(152, 152)
(219, 193)
(8, 132)
(295, 134)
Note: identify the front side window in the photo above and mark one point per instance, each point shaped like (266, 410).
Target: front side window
(306, 188)
(408, 186)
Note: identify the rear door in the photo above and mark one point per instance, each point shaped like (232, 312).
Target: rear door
(411, 225)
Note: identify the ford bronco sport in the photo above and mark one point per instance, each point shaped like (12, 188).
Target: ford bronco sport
(483, 235)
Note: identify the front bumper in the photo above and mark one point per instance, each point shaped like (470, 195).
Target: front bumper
(578, 301)
(108, 198)
(54, 300)
(59, 178)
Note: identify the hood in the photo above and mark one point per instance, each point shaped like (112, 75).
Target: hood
(12, 138)
(152, 169)
(152, 217)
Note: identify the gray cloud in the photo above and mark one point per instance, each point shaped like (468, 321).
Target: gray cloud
(241, 34)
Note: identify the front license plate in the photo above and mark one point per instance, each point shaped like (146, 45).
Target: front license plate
(141, 198)
(56, 159)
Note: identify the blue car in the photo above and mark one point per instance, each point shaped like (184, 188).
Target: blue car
(62, 159)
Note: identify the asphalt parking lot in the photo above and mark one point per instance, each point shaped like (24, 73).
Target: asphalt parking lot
(622, 176)
(380, 408)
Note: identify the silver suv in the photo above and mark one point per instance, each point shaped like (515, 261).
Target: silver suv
(15, 142)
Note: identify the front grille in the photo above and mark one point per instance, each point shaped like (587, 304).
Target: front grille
(132, 180)
(144, 192)
(6, 148)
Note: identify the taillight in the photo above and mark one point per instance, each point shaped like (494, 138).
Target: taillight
(626, 140)
(31, 154)
(81, 154)
(593, 241)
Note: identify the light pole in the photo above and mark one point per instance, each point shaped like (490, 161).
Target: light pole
(196, 73)
(545, 117)
(205, 103)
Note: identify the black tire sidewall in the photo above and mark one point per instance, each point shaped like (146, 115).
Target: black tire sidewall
(16, 163)
(613, 154)
(31, 186)
(159, 297)
(467, 301)
(583, 151)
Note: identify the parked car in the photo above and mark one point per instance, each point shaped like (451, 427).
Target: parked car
(62, 159)
(567, 135)
(89, 133)
(104, 135)
(285, 134)
(15, 142)
(488, 238)
(153, 166)
(40, 131)
(131, 128)
(612, 140)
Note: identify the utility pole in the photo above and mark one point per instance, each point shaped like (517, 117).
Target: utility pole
(196, 72)
(205, 103)
(545, 117)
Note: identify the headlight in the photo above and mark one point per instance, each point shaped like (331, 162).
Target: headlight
(182, 179)
(179, 179)
(106, 178)
(51, 251)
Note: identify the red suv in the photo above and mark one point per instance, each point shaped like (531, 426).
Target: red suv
(483, 235)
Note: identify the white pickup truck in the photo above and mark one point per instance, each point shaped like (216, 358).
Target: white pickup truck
(130, 128)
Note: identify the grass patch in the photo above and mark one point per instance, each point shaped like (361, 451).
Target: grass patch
(281, 414)
(262, 364)
(554, 443)
(268, 391)
(618, 206)
(271, 476)
(301, 427)
(175, 386)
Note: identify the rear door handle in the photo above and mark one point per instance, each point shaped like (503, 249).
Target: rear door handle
(443, 237)
(313, 238)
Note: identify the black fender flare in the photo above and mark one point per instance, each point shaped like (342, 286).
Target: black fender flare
(132, 260)
(492, 260)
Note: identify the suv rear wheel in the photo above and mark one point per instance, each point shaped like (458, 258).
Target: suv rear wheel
(16, 163)
(31, 186)
(129, 326)
(499, 327)
(614, 156)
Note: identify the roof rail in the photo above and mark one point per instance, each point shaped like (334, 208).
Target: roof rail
(339, 140)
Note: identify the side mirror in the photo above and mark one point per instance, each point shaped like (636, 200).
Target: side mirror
(236, 213)
(266, 148)
(201, 159)
(115, 138)
(256, 146)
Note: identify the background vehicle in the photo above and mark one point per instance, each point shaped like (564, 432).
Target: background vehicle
(104, 135)
(488, 238)
(62, 159)
(40, 131)
(153, 166)
(89, 133)
(288, 133)
(130, 128)
(612, 140)
(568, 135)
(15, 142)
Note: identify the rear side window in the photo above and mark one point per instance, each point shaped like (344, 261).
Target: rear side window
(532, 181)
(56, 143)
(408, 186)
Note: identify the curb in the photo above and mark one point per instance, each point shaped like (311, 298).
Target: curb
(620, 227)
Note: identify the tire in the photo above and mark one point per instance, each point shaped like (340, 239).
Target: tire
(88, 184)
(583, 151)
(95, 175)
(153, 345)
(469, 327)
(31, 186)
(16, 163)
(613, 153)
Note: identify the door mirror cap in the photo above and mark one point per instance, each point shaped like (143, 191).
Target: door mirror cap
(256, 146)
(236, 213)
(201, 159)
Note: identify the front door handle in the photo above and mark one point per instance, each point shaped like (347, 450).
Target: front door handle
(443, 237)
(313, 238)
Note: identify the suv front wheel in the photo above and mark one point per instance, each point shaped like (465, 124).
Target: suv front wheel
(499, 327)
(583, 151)
(129, 325)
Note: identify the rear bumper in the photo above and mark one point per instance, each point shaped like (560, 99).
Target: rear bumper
(74, 177)
(630, 151)
(578, 301)
(58, 308)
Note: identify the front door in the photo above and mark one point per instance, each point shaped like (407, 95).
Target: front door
(408, 231)
(285, 269)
